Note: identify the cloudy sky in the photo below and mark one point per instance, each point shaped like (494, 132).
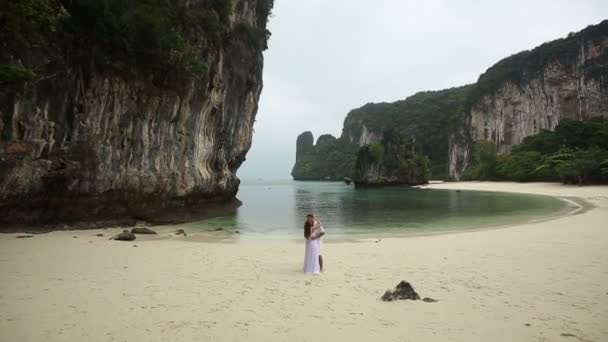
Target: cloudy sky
(327, 57)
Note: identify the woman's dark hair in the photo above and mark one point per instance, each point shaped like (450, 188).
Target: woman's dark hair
(307, 230)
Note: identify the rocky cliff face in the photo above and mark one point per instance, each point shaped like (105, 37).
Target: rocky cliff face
(393, 161)
(567, 78)
(328, 159)
(358, 134)
(93, 146)
(517, 97)
(426, 117)
(304, 145)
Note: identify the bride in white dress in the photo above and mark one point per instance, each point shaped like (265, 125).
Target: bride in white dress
(311, 256)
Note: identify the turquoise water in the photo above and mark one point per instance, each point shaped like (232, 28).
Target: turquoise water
(278, 209)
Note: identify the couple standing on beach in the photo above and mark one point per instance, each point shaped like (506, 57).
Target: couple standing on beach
(313, 231)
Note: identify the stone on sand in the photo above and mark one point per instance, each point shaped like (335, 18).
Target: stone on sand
(403, 290)
(142, 230)
(125, 236)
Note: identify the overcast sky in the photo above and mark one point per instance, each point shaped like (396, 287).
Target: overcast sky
(327, 57)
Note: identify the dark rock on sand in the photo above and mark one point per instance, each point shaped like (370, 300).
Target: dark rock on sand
(429, 300)
(403, 290)
(181, 232)
(142, 231)
(24, 236)
(37, 232)
(99, 234)
(125, 236)
(218, 229)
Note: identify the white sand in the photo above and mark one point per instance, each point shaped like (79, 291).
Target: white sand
(551, 275)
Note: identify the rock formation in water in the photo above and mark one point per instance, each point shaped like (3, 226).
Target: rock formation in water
(393, 161)
(328, 159)
(534, 90)
(515, 98)
(114, 111)
(304, 145)
(427, 117)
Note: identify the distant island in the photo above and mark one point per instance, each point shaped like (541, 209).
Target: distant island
(499, 128)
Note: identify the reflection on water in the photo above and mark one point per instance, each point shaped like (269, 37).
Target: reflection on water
(279, 209)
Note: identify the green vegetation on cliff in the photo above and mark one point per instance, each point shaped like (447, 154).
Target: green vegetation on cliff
(528, 64)
(576, 152)
(165, 41)
(329, 159)
(427, 117)
(394, 160)
(434, 118)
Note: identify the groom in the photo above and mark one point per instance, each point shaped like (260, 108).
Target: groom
(317, 225)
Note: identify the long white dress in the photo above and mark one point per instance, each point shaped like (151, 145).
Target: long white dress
(311, 257)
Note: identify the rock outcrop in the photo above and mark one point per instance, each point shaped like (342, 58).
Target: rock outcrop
(393, 161)
(125, 236)
(328, 159)
(86, 145)
(402, 291)
(304, 145)
(517, 97)
(143, 230)
(425, 116)
(534, 90)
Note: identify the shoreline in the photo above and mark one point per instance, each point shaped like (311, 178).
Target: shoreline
(168, 229)
(541, 281)
(170, 212)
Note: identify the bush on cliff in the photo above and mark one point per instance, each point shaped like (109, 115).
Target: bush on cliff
(576, 152)
(165, 41)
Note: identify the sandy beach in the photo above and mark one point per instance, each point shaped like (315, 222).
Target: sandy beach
(545, 281)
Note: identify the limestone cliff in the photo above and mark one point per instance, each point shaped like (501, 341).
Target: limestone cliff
(426, 116)
(534, 90)
(517, 97)
(304, 145)
(328, 159)
(393, 161)
(84, 144)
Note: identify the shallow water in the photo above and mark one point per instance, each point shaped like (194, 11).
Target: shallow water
(278, 209)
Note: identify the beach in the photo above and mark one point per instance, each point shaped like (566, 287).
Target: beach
(544, 281)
